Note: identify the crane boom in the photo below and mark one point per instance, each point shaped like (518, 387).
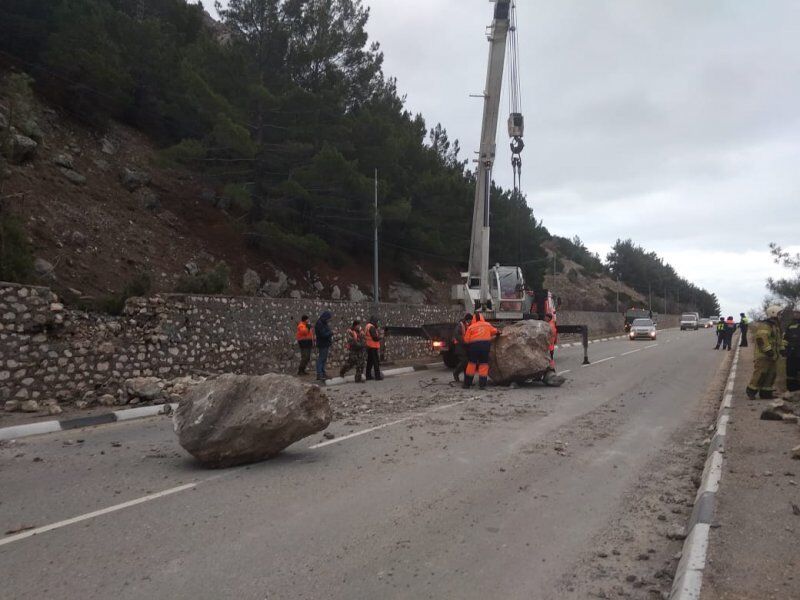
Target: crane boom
(479, 245)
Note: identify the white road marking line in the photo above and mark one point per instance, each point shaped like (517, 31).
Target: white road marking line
(631, 352)
(564, 372)
(597, 362)
(97, 513)
(359, 433)
(650, 346)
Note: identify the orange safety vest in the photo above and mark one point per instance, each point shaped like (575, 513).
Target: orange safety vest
(480, 331)
(304, 332)
(355, 339)
(371, 343)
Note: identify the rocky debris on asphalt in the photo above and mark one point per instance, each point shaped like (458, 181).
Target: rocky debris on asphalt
(238, 419)
(29, 406)
(779, 410)
(521, 353)
(796, 453)
(64, 160)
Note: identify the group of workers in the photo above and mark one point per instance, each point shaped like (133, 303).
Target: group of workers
(727, 327)
(472, 342)
(771, 344)
(363, 345)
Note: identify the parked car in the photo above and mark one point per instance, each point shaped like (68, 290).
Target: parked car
(643, 329)
(689, 321)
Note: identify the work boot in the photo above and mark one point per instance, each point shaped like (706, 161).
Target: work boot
(455, 377)
(766, 395)
(378, 377)
(482, 383)
(468, 381)
(359, 378)
(341, 372)
(751, 393)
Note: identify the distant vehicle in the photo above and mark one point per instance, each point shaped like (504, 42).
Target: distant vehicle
(635, 313)
(713, 320)
(643, 329)
(689, 321)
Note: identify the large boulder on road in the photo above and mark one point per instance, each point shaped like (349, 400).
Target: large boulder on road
(521, 353)
(239, 419)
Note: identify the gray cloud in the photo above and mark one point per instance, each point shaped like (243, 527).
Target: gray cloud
(674, 123)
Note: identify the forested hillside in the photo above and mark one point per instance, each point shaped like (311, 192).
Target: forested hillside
(286, 105)
(283, 107)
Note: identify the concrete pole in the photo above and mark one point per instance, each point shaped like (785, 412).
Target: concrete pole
(375, 281)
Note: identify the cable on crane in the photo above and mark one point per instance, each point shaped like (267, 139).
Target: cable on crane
(516, 122)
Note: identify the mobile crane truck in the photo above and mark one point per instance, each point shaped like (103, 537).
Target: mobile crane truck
(499, 292)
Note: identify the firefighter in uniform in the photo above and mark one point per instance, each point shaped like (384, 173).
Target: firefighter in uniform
(792, 342)
(305, 341)
(373, 340)
(355, 351)
(769, 347)
(479, 340)
(720, 332)
(460, 346)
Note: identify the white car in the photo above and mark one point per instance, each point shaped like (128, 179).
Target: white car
(643, 329)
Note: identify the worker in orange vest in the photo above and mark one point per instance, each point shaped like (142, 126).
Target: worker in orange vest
(479, 341)
(305, 340)
(373, 340)
(553, 338)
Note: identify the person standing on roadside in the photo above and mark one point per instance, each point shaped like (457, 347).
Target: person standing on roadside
(373, 341)
(744, 325)
(479, 339)
(553, 339)
(355, 351)
(324, 334)
(305, 340)
(727, 333)
(792, 342)
(720, 332)
(769, 347)
(460, 346)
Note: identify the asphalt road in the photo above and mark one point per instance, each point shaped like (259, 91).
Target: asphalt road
(427, 491)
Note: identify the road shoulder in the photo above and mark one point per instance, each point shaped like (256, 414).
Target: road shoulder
(753, 544)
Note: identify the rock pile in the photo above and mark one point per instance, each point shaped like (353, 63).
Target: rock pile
(239, 419)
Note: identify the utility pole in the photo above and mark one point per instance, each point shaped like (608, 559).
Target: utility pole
(617, 292)
(665, 298)
(375, 265)
(650, 293)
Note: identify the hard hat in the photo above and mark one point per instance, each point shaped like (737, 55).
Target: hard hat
(773, 311)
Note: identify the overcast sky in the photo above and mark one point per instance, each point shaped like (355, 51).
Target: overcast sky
(674, 123)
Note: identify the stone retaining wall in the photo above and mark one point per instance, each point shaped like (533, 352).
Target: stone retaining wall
(50, 354)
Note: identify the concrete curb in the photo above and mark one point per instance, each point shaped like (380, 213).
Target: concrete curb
(688, 581)
(21, 431)
(142, 412)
